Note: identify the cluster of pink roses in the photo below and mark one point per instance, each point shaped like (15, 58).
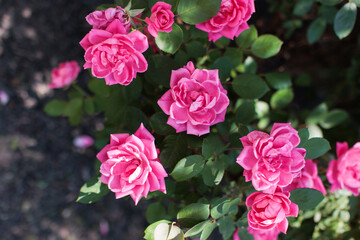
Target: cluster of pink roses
(275, 166)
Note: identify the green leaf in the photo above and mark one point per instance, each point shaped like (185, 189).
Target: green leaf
(192, 214)
(73, 110)
(266, 46)
(316, 30)
(318, 114)
(222, 207)
(235, 55)
(247, 37)
(302, 7)
(195, 49)
(104, 6)
(89, 106)
(98, 87)
(134, 117)
(208, 229)
(175, 148)
(226, 227)
(304, 136)
(245, 235)
(212, 146)
(329, 2)
(316, 147)
(158, 122)
(357, 2)
(333, 118)
(55, 108)
(250, 86)
(278, 80)
(149, 231)
(198, 11)
(159, 70)
(250, 65)
(188, 167)
(170, 42)
(93, 190)
(197, 229)
(245, 112)
(214, 171)
(155, 212)
(345, 20)
(306, 198)
(281, 98)
(328, 13)
(224, 65)
(133, 91)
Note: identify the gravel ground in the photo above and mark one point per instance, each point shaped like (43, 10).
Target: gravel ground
(40, 170)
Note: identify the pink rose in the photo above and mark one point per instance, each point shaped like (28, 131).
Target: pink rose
(115, 55)
(230, 21)
(195, 101)
(272, 160)
(264, 234)
(345, 172)
(130, 165)
(83, 141)
(64, 74)
(269, 211)
(259, 234)
(102, 19)
(309, 179)
(161, 19)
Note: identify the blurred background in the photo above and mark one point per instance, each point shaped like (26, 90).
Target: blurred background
(41, 171)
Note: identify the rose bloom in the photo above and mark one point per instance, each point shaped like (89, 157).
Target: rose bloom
(195, 101)
(259, 234)
(130, 165)
(64, 74)
(269, 211)
(272, 160)
(161, 19)
(345, 171)
(230, 21)
(309, 179)
(115, 55)
(102, 19)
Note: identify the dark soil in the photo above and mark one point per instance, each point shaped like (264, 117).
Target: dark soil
(40, 170)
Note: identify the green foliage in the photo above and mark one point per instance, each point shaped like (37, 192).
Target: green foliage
(197, 11)
(170, 42)
(55, 108)
(247, 37)
(345, 20)
(92, 191)
(250, 86)
(266, 46)
(278, 80)
(188, 167)
(316, 29)
(302, 7)
(193, 214)
(306, 198)
(149, 231)
(316, 147)
(155, 212)
(281, 98)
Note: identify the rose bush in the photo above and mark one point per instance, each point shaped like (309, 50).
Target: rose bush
(130, 165)
(223, 115)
